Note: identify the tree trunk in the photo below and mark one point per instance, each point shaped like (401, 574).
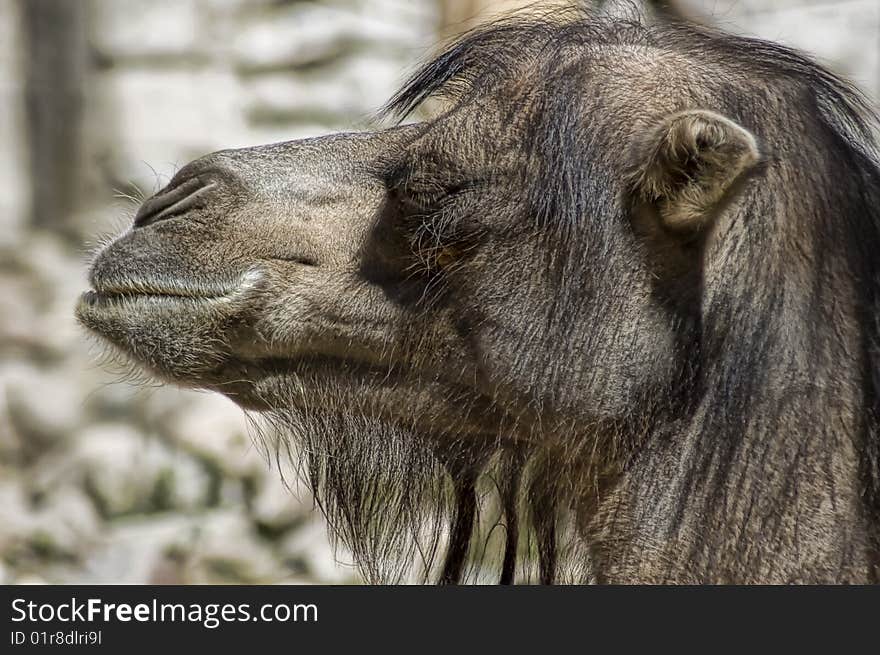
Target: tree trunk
(56, 58)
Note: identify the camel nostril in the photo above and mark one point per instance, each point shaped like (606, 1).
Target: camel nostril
(174, 201)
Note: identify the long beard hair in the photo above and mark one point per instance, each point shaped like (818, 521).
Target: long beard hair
(413, 508)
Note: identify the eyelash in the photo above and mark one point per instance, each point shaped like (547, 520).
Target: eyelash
(417, 202)
(429, 202)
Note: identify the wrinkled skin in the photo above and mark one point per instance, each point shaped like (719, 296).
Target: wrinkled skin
(417, 278)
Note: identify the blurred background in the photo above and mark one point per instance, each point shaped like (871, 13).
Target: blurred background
(102, 100)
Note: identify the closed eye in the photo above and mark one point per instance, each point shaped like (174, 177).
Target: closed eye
(424, 199)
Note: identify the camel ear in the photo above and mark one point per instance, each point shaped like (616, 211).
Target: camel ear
(688, 165)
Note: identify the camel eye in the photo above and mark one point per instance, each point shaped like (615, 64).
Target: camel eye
(418, 202)
(430, 213)
(421, 194)
(422, 197)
